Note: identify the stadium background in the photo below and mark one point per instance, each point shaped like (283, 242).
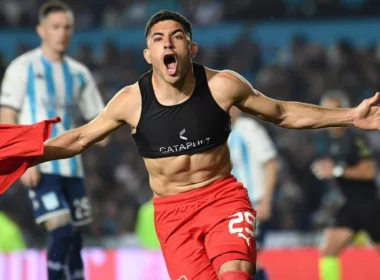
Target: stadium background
(289, 49)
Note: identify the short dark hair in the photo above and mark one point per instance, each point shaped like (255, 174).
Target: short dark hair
(52, 7)
(169, 15)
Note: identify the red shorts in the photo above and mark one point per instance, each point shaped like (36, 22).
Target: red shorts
(201, 229)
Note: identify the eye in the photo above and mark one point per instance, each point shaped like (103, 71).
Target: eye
(157, 39)
(178, 37)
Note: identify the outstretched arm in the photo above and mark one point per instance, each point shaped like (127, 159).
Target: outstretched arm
(76, 141)
(298, 115)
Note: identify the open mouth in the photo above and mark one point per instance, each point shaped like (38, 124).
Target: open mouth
(170, 62)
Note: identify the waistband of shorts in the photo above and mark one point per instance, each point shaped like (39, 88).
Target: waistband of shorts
(194, 194)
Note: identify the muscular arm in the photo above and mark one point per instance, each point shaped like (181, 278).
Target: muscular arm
(76, 141)
(293, 115)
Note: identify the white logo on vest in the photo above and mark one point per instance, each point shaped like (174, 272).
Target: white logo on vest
(182, 133)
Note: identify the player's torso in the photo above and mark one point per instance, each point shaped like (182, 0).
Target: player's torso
(184, 146)
(193, 126)
(172, 175)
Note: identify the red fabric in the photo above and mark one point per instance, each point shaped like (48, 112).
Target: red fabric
(19, 145)
(235, 275)
(206, 226)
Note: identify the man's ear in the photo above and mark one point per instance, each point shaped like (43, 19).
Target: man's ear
(147, 56)
(193, 49)
(40, 30)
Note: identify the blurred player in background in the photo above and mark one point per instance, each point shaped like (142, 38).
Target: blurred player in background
(349, 161)
(38, 85)
(253, 157)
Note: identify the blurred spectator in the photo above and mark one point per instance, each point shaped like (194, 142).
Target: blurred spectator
(117, 13)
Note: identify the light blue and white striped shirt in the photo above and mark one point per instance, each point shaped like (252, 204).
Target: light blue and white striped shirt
(250, 148)
(42, 89)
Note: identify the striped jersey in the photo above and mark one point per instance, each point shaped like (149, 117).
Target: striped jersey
(40, 89)
(250, 148)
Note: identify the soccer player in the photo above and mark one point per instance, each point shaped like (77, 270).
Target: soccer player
(179, 113)
(253, 157)
(349, 161)
(41, 84)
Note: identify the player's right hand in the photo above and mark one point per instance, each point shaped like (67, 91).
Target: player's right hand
(31, 177)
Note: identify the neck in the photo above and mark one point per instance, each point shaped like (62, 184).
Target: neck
(50, 54)
(184, 86)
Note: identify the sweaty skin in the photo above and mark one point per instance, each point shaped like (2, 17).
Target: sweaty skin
(173, 175)
(173, 86)
(178, 174)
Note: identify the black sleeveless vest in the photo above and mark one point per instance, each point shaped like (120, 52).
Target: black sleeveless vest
(193, 126)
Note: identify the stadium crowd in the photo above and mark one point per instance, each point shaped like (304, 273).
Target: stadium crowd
(117, 13)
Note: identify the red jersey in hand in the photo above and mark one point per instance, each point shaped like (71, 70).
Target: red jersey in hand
(19, 145)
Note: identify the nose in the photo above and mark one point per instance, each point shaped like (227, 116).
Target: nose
(168, 43)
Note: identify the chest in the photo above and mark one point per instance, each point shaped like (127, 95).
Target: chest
(198, 119)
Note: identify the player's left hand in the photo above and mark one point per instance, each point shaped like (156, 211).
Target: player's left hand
(367, 114)
(264, 210)
(323, 169)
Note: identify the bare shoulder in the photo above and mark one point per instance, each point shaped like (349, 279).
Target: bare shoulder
(128, 93)
(228, 87)
(126, 105)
